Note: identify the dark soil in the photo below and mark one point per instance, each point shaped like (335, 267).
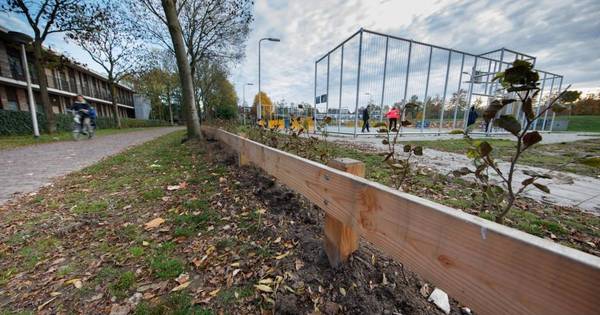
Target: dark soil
(371, 282)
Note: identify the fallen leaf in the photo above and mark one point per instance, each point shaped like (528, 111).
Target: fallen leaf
(266, 281)
(343, 291)
(263, 288)
(214, 292)
(181, 287)
(173, 187)
(282, 256)
(182, 278)
(154, 223)
(75, 282)
(235, 264)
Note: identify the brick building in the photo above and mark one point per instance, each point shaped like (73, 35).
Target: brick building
(64, 83)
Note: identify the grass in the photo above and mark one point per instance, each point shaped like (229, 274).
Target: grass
(11, 142)
(563, 156)
(569, 227)
(584, 123)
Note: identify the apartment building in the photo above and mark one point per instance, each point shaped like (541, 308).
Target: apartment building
(65, 81)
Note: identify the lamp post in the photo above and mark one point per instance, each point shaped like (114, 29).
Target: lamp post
(24, 39)
(244, 101)
(259, 108)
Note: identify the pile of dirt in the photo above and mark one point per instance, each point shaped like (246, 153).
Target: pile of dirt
(369, 283)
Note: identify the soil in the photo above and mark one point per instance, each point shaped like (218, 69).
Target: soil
(369, 283)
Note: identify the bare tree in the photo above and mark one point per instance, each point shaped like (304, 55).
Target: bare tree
(185, 75)
(47, 17)
(114, 44)
(212, 30)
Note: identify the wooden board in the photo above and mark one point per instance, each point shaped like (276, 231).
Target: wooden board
(341, 240)
(491, 268)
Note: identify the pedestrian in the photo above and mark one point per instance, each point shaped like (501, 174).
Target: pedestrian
(393, 114)
(472, 117)
(365, 118)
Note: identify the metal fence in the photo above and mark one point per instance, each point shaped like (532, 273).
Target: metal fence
(381, 71)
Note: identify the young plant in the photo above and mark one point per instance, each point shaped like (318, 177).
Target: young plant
(520, 80)
(400, 166)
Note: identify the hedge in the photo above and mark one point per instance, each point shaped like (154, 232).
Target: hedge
(19, 123)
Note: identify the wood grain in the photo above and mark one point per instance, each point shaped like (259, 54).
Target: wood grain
(341, 240)
(491, 268)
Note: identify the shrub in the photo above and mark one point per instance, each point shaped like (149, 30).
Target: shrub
(19, 123)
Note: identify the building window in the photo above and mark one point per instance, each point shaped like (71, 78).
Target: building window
(72, 81)
(14, 61)
(11, 95)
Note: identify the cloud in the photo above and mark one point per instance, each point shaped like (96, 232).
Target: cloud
(562, 35)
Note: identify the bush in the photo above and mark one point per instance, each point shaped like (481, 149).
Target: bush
(19, 123)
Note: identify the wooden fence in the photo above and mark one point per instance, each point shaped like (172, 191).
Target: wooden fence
(489, 267)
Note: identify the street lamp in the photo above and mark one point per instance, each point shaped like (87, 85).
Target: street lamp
(244, 100)
(24, 39)
(259, 108)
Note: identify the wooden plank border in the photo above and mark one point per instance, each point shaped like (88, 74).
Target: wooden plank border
(489, 267)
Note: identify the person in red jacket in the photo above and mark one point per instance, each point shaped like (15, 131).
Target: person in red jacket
(393, 116)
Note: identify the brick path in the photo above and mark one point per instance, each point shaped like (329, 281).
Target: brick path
(26, 169)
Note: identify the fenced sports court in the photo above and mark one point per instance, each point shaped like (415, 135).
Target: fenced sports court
(381, 70)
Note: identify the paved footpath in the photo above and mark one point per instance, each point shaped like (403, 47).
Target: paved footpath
(566, 189)
(26, 169)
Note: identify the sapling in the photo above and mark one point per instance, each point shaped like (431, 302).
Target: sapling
(399, 166)
(520, 81)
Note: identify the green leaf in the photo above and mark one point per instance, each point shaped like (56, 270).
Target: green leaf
(541, 187)
(327, 119)
(593, 161)
(461, 172)
(527, 108)
(407, 148)
(418, 150)
(570, 96)
(532, 138)
(558, 107)
(494, 107)
(484, 149)
(509, 123)
(536, 174)
(528, 181)
(472, 153)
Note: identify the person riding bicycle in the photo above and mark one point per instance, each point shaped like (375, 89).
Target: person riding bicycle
(93, 116)
(81, 110)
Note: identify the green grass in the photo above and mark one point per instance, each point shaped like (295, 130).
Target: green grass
(563, 156)
(174, 304)
(11, 142)
(583, 123)
(124, 283)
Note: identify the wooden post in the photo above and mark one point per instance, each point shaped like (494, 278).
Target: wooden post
(341, 240)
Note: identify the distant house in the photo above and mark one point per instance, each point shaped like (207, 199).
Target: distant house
(64, 83)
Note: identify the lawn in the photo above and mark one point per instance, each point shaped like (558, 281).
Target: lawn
(558, 156)
(583, 123)
(11, 142)
(169, 228)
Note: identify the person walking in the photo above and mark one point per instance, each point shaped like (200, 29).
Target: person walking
(393, 114)
(365, 118)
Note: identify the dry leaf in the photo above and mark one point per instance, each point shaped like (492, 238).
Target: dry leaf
(263, 288)
(343, 291)
(181, 287)
(266, 281)
(75, 282)
(282, 256)
(154, 223)
(182, 278)
(214, 292)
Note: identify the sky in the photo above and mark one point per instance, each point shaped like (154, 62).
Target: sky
(563, 35)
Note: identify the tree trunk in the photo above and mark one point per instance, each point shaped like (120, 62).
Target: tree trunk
(185, 75)
(170, 105)
(43, 83)
(113, 99)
